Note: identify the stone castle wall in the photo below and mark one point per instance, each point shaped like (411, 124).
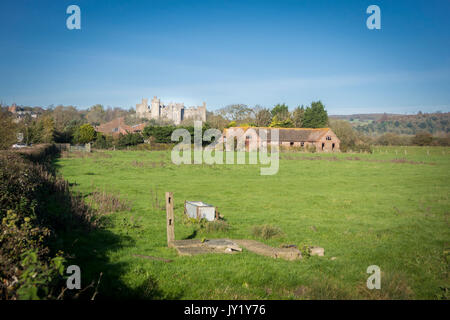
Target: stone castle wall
(175, 112)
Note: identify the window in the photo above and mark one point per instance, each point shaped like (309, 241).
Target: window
(302, 144)
(328, 138)
(291, 144)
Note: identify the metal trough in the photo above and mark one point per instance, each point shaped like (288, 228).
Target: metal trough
(200, 210)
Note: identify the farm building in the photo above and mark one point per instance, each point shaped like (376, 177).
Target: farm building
(323, 139)
(117, 126)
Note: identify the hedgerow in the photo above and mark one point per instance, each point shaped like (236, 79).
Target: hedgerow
(35, 206)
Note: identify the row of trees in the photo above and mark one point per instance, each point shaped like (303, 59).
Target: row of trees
(434, 123)
(313, 116)
(68, 124)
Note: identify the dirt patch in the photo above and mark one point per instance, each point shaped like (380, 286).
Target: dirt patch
(194, 246)
(268, 251)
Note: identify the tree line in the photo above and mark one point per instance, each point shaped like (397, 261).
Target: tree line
(67, 124)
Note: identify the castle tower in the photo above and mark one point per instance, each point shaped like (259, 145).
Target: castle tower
(202, 110)
(142, 108)
(155, 108)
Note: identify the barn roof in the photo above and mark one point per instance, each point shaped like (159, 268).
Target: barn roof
(290, 134)
(117, 126)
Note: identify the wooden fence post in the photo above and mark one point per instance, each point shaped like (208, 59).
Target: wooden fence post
(170, 219)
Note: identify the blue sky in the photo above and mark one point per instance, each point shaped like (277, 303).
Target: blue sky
(224, 52)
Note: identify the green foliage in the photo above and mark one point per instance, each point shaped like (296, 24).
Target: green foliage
(281, 111)
(315, 116)
(130, 139)
(40, 131)
(7, 130)
(276, 123)
(231, 124)
(298, 116)
(103, 142)
(434, 123)
(35, 206)
(163, 134)
(84, 134)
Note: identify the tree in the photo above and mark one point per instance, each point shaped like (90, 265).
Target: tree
(315, 116)
(298, 117)
(276, 123)
(281, 111)
(96, 114)
(350, 140)
(216, 120)
(85, 134)
(65, 115)
(236, 112)
(263, 118)
(48, 128)
(7, 130)
(422, 139)
(130, 139)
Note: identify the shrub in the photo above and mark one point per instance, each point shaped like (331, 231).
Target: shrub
(266, 231)
(130, 139)
(311, 148)
(103, 142)
(217, 226)
(105, 202)
(35, 205)
(422, 139)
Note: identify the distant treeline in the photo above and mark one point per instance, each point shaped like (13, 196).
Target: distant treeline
(374, 125)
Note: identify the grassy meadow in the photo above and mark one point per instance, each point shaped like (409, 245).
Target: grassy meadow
(390, 208)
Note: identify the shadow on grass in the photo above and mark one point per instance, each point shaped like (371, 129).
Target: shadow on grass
(191, 236)
(92, 251)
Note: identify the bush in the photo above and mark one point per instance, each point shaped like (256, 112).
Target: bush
(130, 139)
(103, 142)
(105, 202)
(311, 148)
(35, 205)
(266, 231)
(392, 139)
(422, 139)
(217, 226)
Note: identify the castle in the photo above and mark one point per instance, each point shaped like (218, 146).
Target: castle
(175, 112)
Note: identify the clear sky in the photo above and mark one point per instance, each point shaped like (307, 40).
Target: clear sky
(224, 52)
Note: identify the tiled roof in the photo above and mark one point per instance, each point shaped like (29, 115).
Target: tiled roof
(290, 134)
(118, 126)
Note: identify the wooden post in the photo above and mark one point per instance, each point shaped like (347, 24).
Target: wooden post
(170, 219)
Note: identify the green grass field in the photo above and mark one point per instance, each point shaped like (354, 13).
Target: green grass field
(364, 209)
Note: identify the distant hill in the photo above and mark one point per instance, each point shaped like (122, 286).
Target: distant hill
(380, 123)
